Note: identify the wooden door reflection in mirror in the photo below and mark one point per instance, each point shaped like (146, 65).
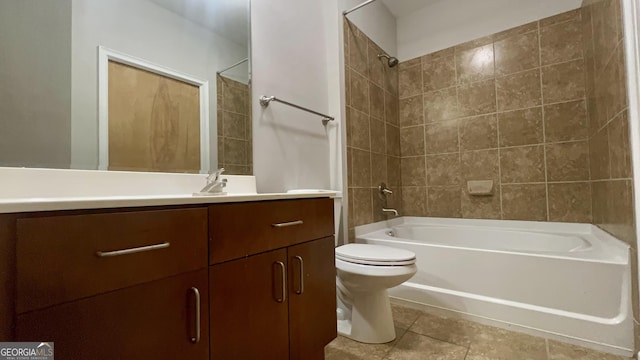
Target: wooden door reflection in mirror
(154, 122)
(154, 119)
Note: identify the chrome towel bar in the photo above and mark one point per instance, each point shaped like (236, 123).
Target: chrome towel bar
(265, 100)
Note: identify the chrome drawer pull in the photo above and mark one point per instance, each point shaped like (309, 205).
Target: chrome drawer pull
(132, 250)
(291, 223)
(301, 289)
(283, 282)
(196, 294)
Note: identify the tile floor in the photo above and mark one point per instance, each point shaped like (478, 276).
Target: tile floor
(425, 336)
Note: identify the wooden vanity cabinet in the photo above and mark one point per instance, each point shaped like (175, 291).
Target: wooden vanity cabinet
(113, 284)
(253, 280)
(277, 299)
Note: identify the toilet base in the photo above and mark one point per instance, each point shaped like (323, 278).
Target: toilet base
(371, 318)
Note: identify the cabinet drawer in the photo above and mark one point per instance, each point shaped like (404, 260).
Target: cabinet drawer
(64, 258)
(242, 229)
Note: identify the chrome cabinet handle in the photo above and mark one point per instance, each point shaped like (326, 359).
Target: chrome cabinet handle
(300, 290)
(283, 279)
(132, 250)
(291, 223)
(196, 294)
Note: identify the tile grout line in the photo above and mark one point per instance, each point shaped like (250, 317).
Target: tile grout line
(564, 62)
(490, 149)
(610, 56)
(612, 179)
(223, 89)
(546, 347)
(369, 118)
(349, 109)
(606, 124)
(544, 132)
(495, 87)
(608, 151)
(455, 70)
(591, 44)
(495, 76)
(233, 112)
(590, 183)
(517, 183)
(424, 137)
(564, 102)
(384, 125)
(397, 340)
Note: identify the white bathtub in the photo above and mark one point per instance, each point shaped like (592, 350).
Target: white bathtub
(570, 281)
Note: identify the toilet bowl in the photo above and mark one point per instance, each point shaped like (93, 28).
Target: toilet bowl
(364, 273)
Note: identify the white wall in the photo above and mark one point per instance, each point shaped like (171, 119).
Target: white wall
(290, 148)
(451, 22)
(335, 91)
(147, 31)
(298, 56)
(35, 83)
(376, 21)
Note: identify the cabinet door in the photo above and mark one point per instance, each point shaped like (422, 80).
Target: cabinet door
(249, 314)
(156, 320)
(312, 304)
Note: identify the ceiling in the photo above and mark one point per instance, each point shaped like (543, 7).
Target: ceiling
(228, 18)
(401, 8)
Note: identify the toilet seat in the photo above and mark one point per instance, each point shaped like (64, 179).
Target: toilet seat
(375, 255)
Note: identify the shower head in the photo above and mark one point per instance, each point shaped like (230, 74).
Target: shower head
(391, 61)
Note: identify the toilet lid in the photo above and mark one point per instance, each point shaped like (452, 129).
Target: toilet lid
(368, 254)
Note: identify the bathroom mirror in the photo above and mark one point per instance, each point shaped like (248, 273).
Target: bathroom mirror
(136, 85)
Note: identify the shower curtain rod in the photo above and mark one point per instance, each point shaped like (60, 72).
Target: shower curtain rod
(357, 7)
(232, 66)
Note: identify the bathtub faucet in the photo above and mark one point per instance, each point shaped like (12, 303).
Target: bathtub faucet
(394, 211)
(384, 190)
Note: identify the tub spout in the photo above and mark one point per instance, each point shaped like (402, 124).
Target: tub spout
(394, 211)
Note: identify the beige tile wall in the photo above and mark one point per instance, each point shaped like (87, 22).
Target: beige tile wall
(235, 144)
(609, 150)
(540, 109)
(510, 107)
(373, 135)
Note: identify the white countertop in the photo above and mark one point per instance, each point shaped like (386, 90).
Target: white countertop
(29, 190)
(79, 203)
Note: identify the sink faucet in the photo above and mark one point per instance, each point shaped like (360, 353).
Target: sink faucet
(394, 211)
(215, 184)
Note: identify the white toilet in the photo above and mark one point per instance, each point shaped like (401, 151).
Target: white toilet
(364, 273)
